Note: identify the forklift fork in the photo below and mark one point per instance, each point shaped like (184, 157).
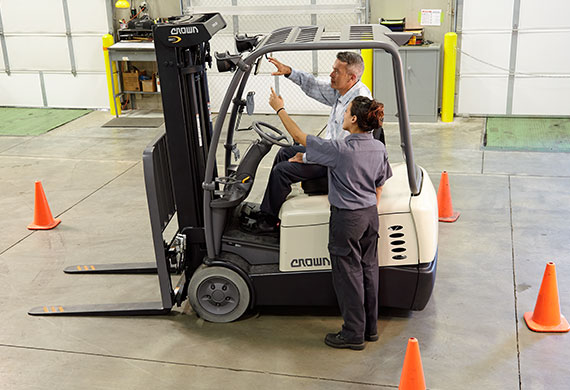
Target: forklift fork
(162, 208)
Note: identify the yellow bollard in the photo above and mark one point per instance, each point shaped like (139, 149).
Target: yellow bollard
(367, 56)
(448, 89)
(114, 103)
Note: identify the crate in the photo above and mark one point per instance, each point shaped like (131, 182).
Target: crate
(131, 81)
(149, 85)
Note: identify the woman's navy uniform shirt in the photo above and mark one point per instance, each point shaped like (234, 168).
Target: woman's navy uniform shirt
(358, 164)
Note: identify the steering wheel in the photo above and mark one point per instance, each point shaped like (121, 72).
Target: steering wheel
(276, 139)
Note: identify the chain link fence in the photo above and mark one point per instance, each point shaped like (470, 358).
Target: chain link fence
(256, 17)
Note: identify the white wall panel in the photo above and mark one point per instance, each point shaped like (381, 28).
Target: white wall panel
(20, 90)
(541, 96)
(38, 53)
(487, 15)
(88, 53)
(2, 66)
(83, 91)
(535, 53)
(33, 16)
(483, 95)
(493, 48)
(88, 16)
(543, 14)
(542, 63)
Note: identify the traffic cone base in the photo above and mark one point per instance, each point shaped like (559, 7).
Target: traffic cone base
(453, 217)
(562, 327)
(55, 222)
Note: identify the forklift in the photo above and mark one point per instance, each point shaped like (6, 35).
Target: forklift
(222, 270)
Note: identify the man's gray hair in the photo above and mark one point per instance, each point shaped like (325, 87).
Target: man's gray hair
(354, 62)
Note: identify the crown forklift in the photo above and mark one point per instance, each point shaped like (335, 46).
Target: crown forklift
(222, 270)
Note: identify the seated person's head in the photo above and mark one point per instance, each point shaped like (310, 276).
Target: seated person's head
(363, 115)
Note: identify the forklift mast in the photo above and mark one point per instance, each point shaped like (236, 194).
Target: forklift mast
(182, 52)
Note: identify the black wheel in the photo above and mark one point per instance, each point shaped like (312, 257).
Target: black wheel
(218, 294)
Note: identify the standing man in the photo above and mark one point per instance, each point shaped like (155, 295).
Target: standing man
(291, 164)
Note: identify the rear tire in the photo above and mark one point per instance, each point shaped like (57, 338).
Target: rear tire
(218, 294)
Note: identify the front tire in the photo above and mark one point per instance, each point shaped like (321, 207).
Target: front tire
(218, 294)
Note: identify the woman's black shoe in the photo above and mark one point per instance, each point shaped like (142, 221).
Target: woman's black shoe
(371, 337)
(336, 340)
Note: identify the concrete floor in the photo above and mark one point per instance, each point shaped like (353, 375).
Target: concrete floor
(514, 218)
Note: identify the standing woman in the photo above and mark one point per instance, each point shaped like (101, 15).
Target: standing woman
(357, 169)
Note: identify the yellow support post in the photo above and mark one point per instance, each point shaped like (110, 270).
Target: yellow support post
(368, 67)
(114, 103)
(448, 89)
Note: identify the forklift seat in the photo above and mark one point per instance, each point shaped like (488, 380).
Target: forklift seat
(238, 189)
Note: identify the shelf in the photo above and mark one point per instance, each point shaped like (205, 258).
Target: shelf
(136, 93)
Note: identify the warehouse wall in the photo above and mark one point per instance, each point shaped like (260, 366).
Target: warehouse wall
(514, 60)
(40, 66)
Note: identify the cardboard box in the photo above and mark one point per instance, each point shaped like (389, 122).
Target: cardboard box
(131, 81)
(149, 85)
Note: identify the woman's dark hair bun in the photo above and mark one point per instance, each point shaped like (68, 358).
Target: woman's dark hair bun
(369, 113)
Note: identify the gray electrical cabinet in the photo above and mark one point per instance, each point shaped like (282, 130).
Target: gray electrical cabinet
(421, 75)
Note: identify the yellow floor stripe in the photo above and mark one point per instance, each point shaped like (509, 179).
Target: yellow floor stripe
(53, 308)
(93, 268)
(60, 309)
(85, 268)
(79, 268)
(46, 309)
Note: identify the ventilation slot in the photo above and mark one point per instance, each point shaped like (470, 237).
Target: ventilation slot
(279, 36)
(330, 37)
(361, 33)
(397, 243)
(307, 34)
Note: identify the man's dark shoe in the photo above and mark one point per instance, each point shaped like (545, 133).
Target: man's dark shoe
(336, 340)
(371, 337)
(265, 225)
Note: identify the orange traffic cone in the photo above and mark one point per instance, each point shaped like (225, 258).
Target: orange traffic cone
(412, 372)
(446, 213)
(546, 316)
(43, 220)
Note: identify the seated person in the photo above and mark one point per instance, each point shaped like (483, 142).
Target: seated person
(290, 164)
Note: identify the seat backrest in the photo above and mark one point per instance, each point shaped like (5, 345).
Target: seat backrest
(379, 134)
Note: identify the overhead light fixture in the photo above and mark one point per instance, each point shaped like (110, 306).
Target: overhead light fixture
(122, 4)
